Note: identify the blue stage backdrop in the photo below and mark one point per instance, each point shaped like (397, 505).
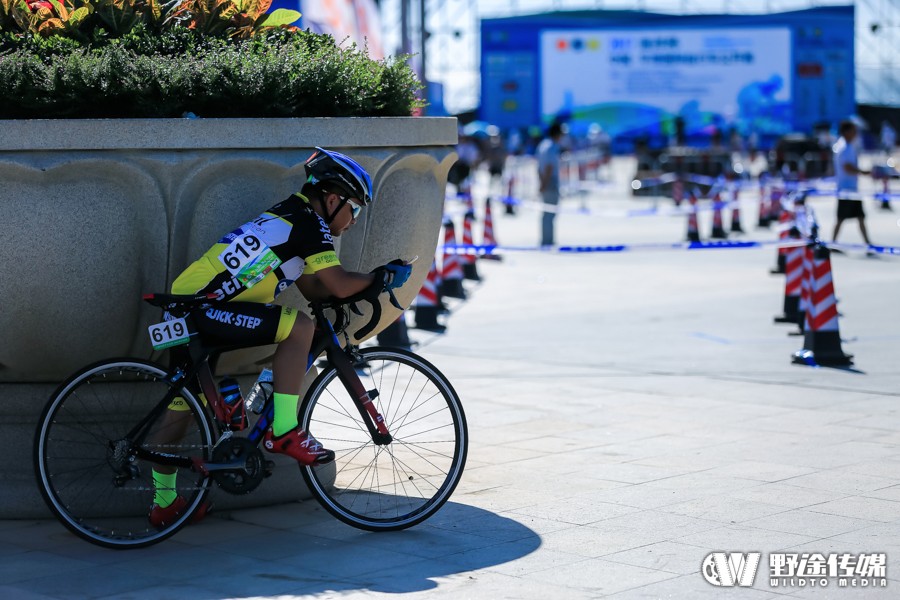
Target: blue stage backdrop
(636, 73)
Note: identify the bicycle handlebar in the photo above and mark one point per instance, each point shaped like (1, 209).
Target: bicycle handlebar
(370, 295)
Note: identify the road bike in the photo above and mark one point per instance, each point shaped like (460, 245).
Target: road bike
(395, 423)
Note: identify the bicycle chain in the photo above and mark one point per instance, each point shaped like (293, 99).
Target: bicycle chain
(191, 446)
(153, 489)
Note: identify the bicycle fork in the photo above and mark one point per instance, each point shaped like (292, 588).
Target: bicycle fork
(362, 398)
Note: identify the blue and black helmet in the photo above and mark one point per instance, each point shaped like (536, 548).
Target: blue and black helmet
(328, 165)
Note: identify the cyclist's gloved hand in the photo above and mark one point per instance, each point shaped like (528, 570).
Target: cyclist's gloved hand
(396, 273)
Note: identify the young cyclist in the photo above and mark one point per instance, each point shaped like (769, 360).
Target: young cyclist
(290, 243)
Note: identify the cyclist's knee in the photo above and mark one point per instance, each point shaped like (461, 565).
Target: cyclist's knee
(302, 330)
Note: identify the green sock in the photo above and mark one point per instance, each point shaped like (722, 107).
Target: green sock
(285, 413)
(165, 488)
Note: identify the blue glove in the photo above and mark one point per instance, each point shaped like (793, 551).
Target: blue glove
(395, 274)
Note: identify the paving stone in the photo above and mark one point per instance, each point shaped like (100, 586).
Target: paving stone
(806, 521)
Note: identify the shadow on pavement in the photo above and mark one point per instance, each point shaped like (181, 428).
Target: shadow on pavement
(247, 554)
(458, 539)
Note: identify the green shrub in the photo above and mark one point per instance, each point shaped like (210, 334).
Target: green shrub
(147, 72)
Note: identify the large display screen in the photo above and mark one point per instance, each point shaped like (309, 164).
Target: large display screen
(636, 82)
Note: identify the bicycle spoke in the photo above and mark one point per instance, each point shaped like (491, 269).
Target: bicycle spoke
(345, 412)
(412, 446)
(86, 469)
(399, 484)
(422, 418)
(417, 403)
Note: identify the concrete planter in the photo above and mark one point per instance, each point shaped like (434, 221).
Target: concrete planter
(95, 213)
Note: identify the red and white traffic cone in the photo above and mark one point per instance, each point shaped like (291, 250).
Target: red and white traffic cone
(395, 335)
(452, 272)
(785, 226)
(776, 194)
(678, 191)
(469, 259)
(427, 303)
(487, 239)
(734, 193)
(822, 338)
(509, 200)
(805, 286)
(693, 230)
(718, 229)
(763, 220)
(793, 282)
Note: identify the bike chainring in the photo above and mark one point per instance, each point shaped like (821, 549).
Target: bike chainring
(250, 470)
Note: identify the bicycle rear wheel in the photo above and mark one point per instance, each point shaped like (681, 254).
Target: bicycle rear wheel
(395, 486)
(87, 469)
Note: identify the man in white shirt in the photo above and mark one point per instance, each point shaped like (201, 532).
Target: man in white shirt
(846, 173)
(548, 155)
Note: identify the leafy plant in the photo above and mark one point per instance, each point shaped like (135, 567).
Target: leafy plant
(121, 16)
(239, 19)
(49, 17)
(6, 19)
(233, 18)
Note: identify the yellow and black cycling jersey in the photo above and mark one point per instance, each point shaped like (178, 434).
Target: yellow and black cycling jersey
(263, 257)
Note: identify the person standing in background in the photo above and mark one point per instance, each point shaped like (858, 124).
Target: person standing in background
(888, 138)
(846, 173)
(548, 155)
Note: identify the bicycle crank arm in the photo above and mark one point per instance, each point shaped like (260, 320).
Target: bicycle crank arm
(206, 468)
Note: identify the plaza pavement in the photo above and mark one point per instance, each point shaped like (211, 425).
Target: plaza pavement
(629, 414)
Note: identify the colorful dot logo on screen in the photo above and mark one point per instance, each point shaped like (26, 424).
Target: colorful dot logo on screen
(577, 44)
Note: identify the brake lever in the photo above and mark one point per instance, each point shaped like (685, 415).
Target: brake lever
(368, 327)
(394, 299)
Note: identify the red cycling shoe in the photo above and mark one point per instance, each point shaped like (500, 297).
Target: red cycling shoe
(163, 517)
(299, 445)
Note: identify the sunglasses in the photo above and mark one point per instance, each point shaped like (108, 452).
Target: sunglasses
(354, 207)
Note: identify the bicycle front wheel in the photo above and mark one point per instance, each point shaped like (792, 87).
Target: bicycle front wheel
(87, 465)
(394, 486)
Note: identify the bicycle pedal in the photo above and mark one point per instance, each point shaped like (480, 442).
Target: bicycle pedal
(268, 468)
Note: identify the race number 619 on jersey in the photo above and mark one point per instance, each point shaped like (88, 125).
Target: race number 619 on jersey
(249, 259)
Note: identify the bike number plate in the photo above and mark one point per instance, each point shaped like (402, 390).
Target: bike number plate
(249, 259)
(169, 333)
